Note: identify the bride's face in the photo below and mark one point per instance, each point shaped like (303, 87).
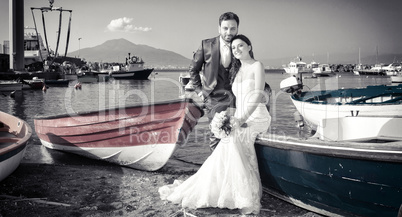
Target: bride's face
(240, 49)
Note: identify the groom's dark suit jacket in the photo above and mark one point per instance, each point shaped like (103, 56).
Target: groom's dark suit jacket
(215, 77)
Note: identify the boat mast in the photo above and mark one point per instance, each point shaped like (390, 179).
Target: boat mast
(327, 57)
(359, 57)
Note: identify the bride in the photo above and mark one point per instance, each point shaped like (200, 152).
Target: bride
(229, 178)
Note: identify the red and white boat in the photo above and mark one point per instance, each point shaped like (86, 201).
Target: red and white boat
(141, 137)
(14, 135)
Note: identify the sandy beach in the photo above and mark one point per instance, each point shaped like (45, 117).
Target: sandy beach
(104, 190)
(76, 186)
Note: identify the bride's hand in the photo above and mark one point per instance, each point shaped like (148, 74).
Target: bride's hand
(236, 123)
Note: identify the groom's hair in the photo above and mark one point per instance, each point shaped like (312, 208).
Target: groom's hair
(229, 16)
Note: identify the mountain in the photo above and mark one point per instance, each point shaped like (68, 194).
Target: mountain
(117, 50)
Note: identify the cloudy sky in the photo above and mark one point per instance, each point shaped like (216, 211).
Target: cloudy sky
(277, 28)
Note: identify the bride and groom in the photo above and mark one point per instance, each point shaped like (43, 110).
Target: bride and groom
(229, 178)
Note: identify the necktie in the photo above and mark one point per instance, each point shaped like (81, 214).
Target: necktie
(225, 56)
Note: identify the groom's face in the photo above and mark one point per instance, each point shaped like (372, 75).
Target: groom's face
(228, 29)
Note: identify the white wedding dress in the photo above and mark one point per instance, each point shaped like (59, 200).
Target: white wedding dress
(229, 178)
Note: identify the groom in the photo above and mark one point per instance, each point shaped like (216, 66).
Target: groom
(215, 54)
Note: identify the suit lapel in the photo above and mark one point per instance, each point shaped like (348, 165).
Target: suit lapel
(215, 48)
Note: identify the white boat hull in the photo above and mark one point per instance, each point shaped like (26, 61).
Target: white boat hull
(314, 113)
(360, 128)
(123, 75)
(396, 79)
(322, 71)
(143, 157)
(8, 166)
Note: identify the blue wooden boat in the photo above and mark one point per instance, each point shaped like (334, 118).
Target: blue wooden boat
(333, 178)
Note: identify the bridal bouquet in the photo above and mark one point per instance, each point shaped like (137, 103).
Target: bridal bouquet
(221, 125)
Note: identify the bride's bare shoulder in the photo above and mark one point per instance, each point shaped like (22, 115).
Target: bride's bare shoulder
(257, 65)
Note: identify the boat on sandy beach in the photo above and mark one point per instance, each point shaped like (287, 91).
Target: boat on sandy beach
(351, 166)
(333, 178)
(133, 69)
(360, 128)
(14, 136)
(140, 136)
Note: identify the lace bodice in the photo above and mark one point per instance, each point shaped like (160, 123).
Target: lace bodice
(243, 91)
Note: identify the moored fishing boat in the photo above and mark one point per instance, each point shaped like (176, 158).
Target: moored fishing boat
(375, 70)
(86, 75)
(141, 136)
(297, 66)
(10, 86)
(34, 50)
(35, 83)
(134, 69)
(333, 178)
(14, 135)
(322, 70)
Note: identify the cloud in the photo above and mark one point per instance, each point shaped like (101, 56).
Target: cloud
(124, 24)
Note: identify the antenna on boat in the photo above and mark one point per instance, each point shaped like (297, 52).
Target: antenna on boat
(47, 9)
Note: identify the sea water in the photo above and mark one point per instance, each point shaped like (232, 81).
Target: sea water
(161, 86)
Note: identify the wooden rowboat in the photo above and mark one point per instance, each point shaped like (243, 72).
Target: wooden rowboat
(315, 106)
(140, 136)
(333, 178)
(14, 136)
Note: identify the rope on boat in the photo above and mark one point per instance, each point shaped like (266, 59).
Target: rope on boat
(58, 36)
(68, 34)
(44, 30)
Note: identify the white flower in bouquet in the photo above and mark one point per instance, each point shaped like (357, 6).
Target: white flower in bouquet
(221, 125)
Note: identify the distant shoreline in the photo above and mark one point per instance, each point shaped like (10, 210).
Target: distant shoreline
(170, 70)
(185, 70)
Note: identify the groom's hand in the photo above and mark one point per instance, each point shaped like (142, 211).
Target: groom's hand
(201, 96)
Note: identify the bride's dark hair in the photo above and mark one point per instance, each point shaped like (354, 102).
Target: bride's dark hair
(235, 62)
